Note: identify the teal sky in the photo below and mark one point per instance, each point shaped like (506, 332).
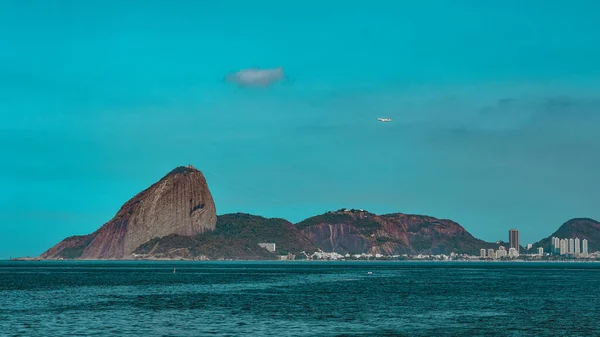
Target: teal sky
(495, 107)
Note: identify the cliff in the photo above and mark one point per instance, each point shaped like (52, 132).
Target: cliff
(582, 228)
(359, 231)
(180, 203)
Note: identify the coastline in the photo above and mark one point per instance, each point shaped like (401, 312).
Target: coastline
(306, 261)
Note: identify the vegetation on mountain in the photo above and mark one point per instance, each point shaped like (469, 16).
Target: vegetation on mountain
(77, 246)
(582, 228)
(176, 218)
(236, 236)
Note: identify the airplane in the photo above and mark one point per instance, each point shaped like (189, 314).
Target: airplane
(384, 119)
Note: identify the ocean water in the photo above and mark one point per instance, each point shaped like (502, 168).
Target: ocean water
(299, 299)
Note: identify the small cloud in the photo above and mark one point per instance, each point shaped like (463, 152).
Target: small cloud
(255, 77)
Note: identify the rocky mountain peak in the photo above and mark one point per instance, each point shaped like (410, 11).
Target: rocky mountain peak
(180, 203)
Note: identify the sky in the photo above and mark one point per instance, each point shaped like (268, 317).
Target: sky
(495, 109)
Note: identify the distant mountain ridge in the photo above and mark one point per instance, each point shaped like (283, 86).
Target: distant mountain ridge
(582, 228)
(358, 231)
(175, 218)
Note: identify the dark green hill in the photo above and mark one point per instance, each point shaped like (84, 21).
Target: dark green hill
(582, 228)
(236, 236)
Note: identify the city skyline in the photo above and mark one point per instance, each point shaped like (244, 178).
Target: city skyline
(569, 246)
(565, 246)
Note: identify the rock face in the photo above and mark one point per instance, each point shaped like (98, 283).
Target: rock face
(180, 203)
(582, 228)
(354, 231)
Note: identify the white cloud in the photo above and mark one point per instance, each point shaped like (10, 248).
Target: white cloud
(255, 77)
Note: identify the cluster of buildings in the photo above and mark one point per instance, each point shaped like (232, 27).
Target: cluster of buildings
(321, 255)
(572, 246)
(513, 250)
(498, 254)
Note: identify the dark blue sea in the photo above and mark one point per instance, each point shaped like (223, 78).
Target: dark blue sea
(299, 299)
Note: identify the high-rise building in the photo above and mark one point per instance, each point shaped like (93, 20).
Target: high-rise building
(563, 246)
(584, 247)
(571, 246)
(501, 252)
(482, 252)
(490, 253)
(513, 239)
(577, 246)
(513, 252)
(556, 246)
(541, 251)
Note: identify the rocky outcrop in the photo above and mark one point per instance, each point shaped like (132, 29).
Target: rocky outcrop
(180, 203)
(337, 237)
(357, 231)
(582, 228)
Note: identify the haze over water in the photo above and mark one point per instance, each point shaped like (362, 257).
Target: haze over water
(299, 299)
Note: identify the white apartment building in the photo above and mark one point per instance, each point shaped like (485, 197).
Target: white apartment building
(571, 246)
(501, 252)
(563, 246)
(268, 246)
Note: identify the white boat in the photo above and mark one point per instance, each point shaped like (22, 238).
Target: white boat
(384, 119)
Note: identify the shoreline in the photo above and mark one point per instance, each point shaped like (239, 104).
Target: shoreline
(301, 261)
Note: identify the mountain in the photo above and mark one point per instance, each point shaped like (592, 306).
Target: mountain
(236, 236)
(582, 228)
(175, 218)
(180, 203)
(358, 231)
